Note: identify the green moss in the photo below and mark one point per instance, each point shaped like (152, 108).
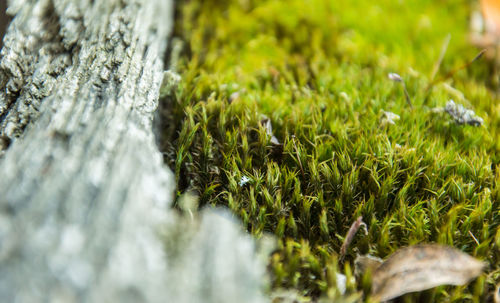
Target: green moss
(318, 70)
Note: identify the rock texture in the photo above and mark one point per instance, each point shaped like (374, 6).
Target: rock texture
(83, 186)
(210, 259)
(84, 193)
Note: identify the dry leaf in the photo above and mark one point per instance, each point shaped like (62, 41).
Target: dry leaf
(366, 263)
(485, 27)
(421, 267)
(491, 14)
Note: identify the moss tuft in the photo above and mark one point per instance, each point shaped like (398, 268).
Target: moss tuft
(318, 71)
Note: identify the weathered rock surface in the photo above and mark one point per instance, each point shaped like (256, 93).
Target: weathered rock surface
(82, 185)
(84, 193)
(211, 259)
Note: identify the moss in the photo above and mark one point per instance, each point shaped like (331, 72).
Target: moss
(318, 70)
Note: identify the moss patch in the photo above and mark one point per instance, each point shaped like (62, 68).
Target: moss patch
(318, 71)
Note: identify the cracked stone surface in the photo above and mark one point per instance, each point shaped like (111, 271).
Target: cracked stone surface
(84, 194)
(83, 185)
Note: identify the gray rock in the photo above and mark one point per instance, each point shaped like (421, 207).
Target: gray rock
(82, 184)
(211, 259)
(84, 193)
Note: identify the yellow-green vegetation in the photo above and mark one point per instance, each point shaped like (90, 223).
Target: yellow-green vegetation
(317, 69)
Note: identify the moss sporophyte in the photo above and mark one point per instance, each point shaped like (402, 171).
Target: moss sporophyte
(285, 114)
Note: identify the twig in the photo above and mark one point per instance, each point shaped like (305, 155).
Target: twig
(472, 235)
(397, 78)
(454, 71)
(350, 235)
(407, 95)
(438, 63)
